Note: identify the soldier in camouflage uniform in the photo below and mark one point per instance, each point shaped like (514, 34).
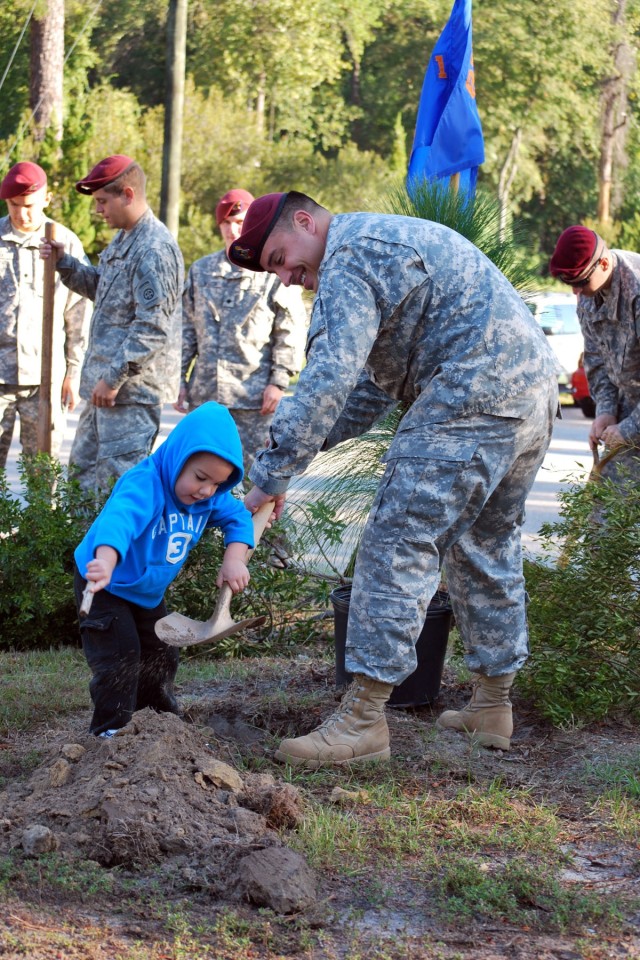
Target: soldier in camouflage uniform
(607, 285)
(242, 335)
(132, 365)
(408, 310)
(25, 191)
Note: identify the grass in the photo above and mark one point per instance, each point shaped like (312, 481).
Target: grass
(618, 798)
(489, 852)
(40, 686)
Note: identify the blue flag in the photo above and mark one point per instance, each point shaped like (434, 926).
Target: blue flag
(448, 137)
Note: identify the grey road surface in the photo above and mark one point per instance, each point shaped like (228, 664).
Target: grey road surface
(567, 461)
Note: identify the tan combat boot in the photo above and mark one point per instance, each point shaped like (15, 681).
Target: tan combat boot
(357, 731)
(487, 718)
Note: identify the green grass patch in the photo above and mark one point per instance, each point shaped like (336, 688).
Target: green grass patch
(520, 891)
(483, 854)
(390, 821)
(83, 878)
(40, 685)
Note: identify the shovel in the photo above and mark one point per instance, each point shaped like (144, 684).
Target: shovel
(179, 631)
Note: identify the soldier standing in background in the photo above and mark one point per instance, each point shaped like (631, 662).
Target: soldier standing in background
(408, 310)
(132, 365)
(607, 286)
(243, 332)
(26, 193)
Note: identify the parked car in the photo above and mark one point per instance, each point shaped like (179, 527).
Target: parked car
(556, 314)
(580, 391)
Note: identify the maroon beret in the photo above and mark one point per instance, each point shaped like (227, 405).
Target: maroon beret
(574, 254)
(22, 179)
(260, 220)
(233, 203)
(104, 173)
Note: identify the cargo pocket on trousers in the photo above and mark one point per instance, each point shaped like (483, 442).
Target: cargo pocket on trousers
(134, 446)
(391, 607)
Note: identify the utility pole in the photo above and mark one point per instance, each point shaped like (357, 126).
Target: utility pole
(173, 114)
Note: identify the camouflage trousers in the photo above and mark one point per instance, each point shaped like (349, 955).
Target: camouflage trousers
(111, 440)
(457, 502)
(254, 434)
(24, 401)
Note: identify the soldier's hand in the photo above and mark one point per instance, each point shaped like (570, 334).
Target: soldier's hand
(181, 403)
(598, 427)
(48, 247)
(103, 395)
(612, 438)
(69, 396)
(270, 399)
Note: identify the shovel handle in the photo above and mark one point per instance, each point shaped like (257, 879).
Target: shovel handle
(225, 595)
(87, 600)
(260, 520)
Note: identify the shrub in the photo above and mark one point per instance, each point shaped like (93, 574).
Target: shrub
(584, 613)
(38, 534)
(292, 599)
(40, 530)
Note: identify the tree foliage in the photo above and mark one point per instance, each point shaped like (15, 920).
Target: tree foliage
(287, 94)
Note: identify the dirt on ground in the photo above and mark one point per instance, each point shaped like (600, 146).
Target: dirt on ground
(195, 817)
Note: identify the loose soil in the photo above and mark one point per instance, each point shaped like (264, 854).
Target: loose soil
(179, 839)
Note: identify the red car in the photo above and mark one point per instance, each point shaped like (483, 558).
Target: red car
(580, 391)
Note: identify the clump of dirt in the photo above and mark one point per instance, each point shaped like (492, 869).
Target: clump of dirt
(156, 792)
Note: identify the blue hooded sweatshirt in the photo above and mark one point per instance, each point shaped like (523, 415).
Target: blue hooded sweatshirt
(150, 529)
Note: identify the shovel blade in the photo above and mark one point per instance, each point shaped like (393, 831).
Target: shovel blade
(177, 630)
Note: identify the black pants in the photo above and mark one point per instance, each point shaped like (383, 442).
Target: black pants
(132, 668)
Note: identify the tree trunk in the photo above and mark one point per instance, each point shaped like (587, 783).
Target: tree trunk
(173, 114)
(613, 101)
(46, 73)
(260, 103)
(508, 172)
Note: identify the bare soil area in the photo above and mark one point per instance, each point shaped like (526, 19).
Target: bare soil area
(183, 840)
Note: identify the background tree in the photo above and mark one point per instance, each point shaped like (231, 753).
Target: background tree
(46, 73)
(323, 96)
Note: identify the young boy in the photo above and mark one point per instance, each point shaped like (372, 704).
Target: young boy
(156, 514)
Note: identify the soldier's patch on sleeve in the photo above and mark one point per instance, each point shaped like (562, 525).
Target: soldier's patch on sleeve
(149, 292)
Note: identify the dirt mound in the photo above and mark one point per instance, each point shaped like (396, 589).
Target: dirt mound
(155, 792)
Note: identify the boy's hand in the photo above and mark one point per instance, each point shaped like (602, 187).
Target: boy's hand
(99, 572)
(235, 573)
(99, 569)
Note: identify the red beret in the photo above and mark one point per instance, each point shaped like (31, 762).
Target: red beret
(22, 179)
(574, 254)
(233, 203)
(104, 173)
(260, 220)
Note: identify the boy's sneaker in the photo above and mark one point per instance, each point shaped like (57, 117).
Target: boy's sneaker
(107, 733)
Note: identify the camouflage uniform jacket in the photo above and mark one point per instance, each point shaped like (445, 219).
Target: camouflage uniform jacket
(406, 310)
(610, 323)
(21, 296)
(135, 335)
(245, 330)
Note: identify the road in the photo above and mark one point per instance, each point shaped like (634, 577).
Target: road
(568, 460)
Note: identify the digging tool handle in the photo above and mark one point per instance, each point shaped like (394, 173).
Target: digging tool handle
(44, 399)
(87, 600)
(260, 520)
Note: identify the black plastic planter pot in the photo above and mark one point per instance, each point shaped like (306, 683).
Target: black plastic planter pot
(423, 686)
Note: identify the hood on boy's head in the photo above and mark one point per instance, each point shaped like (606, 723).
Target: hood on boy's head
(207, 429)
